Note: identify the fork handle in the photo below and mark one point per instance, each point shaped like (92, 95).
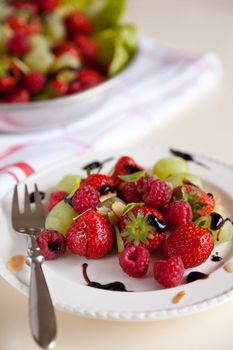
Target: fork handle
(41, 312)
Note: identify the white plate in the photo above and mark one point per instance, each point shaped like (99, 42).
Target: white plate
(148, 301)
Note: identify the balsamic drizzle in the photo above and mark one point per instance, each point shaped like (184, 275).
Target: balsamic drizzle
(114, 286)
(196, 275)
(96, 164)
(160, 225)
(187, 156)
(32, 196)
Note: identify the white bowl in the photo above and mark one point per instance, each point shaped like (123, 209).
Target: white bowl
(35, 116)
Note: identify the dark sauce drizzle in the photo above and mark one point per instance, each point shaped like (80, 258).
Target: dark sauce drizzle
(132, 169)
(32, 196)
(196, 275)
(217, 221)
(105, 189)
(160, 225)
(186, 156)
(114, 286)
(96, 164)
(216, 258)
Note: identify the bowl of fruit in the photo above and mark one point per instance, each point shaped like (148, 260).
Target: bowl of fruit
(59, 59)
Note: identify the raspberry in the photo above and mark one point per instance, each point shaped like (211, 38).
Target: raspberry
(52, 244)
(78, 23)
(56, 197)
(157, 193)
(130, 193)
(66, 47)
(135, 260)
(85, 198)
(47, 5)
(59, 87)
(86, 79)
(17, 96)
(88, 48)
(34, 82)
(169, 273)
(178, 213)
(19, 44)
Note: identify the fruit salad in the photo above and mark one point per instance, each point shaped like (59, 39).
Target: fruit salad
(162, 217)
(54, 48)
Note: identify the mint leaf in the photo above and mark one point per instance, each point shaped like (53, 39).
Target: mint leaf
(133, 177)
(131, 206)
(119, 240)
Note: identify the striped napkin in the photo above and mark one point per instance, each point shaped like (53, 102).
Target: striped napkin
(162, 80)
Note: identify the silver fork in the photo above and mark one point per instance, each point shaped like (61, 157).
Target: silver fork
(41, 312)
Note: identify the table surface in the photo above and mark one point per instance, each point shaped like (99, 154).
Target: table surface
(204, 126)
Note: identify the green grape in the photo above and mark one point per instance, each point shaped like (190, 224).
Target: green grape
(39, 59)
(54, 28)
(64, 61)
(184, 178)
(38, 40)
(169, 166)
(67, 183)
(60, 217)
(224, 234)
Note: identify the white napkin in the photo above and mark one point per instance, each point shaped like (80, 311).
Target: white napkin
(162, 80)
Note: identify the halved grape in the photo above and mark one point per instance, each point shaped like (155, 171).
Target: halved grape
(60, 217)
(184, 178)
(67, 183)
(54, 28)
(39, 59)
(38, 40)
(166, 167)
(64, 61)
(224, 234)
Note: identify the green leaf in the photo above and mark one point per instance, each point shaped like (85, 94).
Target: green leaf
(130, 206)
(119, 240)
(106, 13)
(117, 46)
(133, 177)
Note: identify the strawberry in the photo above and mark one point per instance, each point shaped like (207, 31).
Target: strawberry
(9, 75)
(66, 47)
(157, 193)
(169, 273)
(56, 197)
(124, 166)
(97, 181)
(192, 243)
(202, 203)
(87, 47)
(134, 260)
(143, 225)
(59, 87)
(178, 213)
(87, 197)
(17, 96)
(47, 5)
(91, 235)
(31, 25)
(78, 23)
